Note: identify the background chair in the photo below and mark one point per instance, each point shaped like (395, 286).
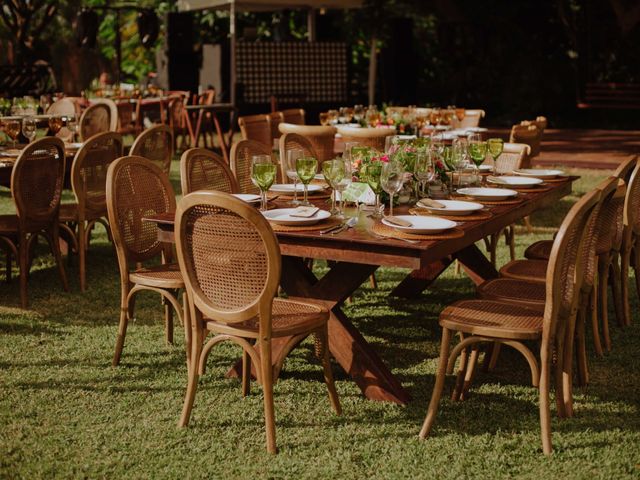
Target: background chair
(631, 240)
(530, 135)
(294, 116)
(202, 169)
(256, 128)
(321, 138)
(36, 189)
(89, 183)
(230, 260)
(136, 187)
(64, 107)
(155, 144)
(97, 119)
(369, 137)
(241, 154)
(471, 119)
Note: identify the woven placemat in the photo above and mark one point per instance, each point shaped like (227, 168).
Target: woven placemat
(556, 180)
(328, 223)
(381, 229)
(513, 201)
(312, 196)
(480, 215)
(538, 189)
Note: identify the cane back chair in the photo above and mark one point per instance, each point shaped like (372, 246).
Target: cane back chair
(36, 188)
(321, 138)
(202, 169)
(293, 141)
(631, 241)
(64, 107)
(294, 116)
(96, 119)
(481, 321)
(136, 187)
(241, 154)
(369, 137)
(530, 135)
(256, 128)
(89, 183)
(230, 260)
(155, 144)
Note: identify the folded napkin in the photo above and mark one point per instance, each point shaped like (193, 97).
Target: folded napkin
(398, 221)
(429, 203)
(498, 180)
(304, 212)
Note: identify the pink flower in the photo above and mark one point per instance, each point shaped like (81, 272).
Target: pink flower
(440, 165)
(384, 158)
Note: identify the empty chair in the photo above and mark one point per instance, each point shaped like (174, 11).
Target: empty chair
(369, 137)
(631, 240)
(89, 183)
(202, 169)
(530, 135)
(136, 188)
(294, 116)
(293, 141)
(481, 321)
(275, 119)
(471, 119)
(256, 128)
(155, 144)
(241, 155)
(321, 138)
(36, 189)
(97, 119)
(230, 260)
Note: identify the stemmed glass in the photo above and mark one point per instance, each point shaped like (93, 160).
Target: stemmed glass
(72, 125)
(477, 149)
(263, 174)
(290, 166)
(333, 117)
(392, 179)
(12, 128)
(495, 146)
(306, 168)
(424, 171)
(55, 124)
(29, 128)
(372, 172)
(333, 171)
(344, 183)
(358, 113)
(324, 119)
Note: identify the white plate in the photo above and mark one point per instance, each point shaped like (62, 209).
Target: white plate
(538, 172)
(73, 146)
(289, 188)
(248, 197)
(488, 193)
(12, 152)
(319, 176)
(422, 224)
(282, 216)
(455, 207)
(515, 182)
(476, 129)
(485, 168)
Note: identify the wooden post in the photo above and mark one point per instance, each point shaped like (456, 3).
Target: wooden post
(232, 41)
(311, 25)
(372, 71)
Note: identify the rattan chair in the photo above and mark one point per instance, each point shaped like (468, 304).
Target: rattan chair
(179, 118)
(96, 119)
(202, 169)
(256, 128)
(481, 321)
(530, 135)
(113, 112)
(64, 107)
(89, 183)
(471, 119)
(128, 117)
(275, 119)
(295, 116)
(241, 154)
(36, 188)
(155, 144)
(630, 251)
(230, 260)
(369, 137)
(136, 188)
(321, 138)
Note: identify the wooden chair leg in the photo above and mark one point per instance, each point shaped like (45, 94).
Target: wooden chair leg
(246, 373)
(53, 237)
(192, 384)
(122, 325)
(168, 321)
(625, 258)
(545, 410)
(7, 267)
(186, 323)
(470, 373)
(636, 267)
(595, 326)
(614, 279)
(558, 377)
(581, 350)
(603, 275)
(462, 368)
(323, 337)
(527, 224)
(23, 251)
(373, 281)
(267, 386)
(439, 385)
(82, 255)
(510, 240)
(567, 367)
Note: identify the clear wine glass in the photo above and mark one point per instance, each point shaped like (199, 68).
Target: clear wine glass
(29, 128)
(424, 171)
(12, 129)
(372, 172)
(263, 174)
(495, 147)
(290, 167)
(392, 179)
(306, 168)
(333, 171)
(344, 183)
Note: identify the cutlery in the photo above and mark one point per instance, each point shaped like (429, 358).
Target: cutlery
(332, 229)
(393, 238)
(346, 225)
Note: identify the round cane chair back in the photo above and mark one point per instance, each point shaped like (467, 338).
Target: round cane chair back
(89, 173)
(241, 154)
(528, 134)
(156, 145)
(95, 119)
(632, 201)
(321, 138)
(625, 169)
(202, 169)
(36, 183)
(293, 115)
(368, 137)
(229, 257)
(275, 119)
(293, 141)
(256, 128)
(136, 187)
(512, 158)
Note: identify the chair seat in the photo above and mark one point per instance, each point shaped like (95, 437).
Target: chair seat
(8, 224)
(540, 250)
(161, 276)
(290, 317)
(523, 292)
(492, 319)
(68, 212)
(534, 270)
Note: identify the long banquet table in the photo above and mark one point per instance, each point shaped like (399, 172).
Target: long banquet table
(355, 254)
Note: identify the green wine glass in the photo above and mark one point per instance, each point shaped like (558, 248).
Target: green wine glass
(306, 168)
(333, 171)
(477, 149)
(495, 146)
(263, 174)
(373, 171)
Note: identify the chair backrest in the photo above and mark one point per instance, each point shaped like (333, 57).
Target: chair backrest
(513, 157)
(89, 173)
(202, 169)
(177, 112)
(95, 119)
(229, 258)
(565, 272)
(256, 128)
(64, 106)
(540, 122)
(36, 183)
(294, 116)
(625, 169)
(369, 137)
(155, 144)
(113, 112)
(471, 119)
(241, 154)
(528, 134)
(321, 138)
(293, 141)
(632, 201)
(275, 119)
(136, 187)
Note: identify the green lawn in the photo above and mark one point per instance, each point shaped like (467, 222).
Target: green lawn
(66, 413)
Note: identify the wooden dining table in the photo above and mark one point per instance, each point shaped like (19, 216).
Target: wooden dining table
(356, 253)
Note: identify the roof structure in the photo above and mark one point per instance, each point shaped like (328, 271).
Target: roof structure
(265, 5)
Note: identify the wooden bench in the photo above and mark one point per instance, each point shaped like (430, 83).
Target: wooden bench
(623, 96)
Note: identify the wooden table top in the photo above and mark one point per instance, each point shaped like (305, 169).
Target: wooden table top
(357, 245)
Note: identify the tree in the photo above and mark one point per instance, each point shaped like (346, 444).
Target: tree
(25, 21)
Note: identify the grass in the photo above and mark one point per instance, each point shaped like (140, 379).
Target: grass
(66, 413)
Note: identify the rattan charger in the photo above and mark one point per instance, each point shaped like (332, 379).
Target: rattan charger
(386, 231)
